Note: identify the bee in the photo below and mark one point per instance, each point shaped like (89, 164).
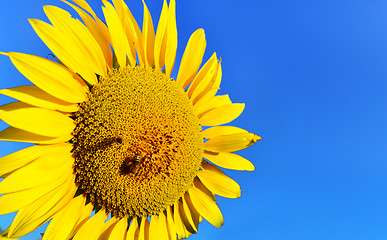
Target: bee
(130, 165)
(135, 163)
(109, 141)
(136, 159)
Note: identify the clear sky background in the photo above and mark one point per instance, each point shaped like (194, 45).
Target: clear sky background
(313, 75)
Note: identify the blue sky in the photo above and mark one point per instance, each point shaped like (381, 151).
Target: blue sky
(313, 75)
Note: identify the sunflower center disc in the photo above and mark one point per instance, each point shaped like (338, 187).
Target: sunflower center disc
(137, 143)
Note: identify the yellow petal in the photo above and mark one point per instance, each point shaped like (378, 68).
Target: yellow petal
(81, 37)
(144, 229)
(104, 30)
(18, 135)
(221, 130)
(83, 4)
(93, 227)
(14, 201)
(188, 206)
(199, 185)
(217, 182)
(33, 95)
(192, 58)
(193, 221)
(133, 231)
(119, 41)
(170, 224)
(60, 43)
(210, 91)
(161, 39)
(13, 161)
(40, 121)
(108, 228)
(181, 230)
(170, 52)
(119, 230)
(6, 238)
(119, 6)
(186, 218)
(69, 215)
(206, 206)
(157, 229)
(39, 212)
(202, 107)
(99, 31)
(210, 88)
(49, 76)
(164, 226)
(206, 84)
(229, 160)
(205, 74)
(221, 115)
(231, 143)
(85, 213)
(41, 171)
(132, 30)
(148, 36)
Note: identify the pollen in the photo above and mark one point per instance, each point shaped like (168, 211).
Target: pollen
(137, 143)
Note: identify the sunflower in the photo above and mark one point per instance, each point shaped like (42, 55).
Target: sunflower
(121, 150)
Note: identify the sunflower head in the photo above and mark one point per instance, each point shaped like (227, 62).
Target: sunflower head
(150, 150)
(122, 150)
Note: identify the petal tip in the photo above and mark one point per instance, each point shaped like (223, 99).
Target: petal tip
(251, 168)
(32, 21)
(256, 138)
